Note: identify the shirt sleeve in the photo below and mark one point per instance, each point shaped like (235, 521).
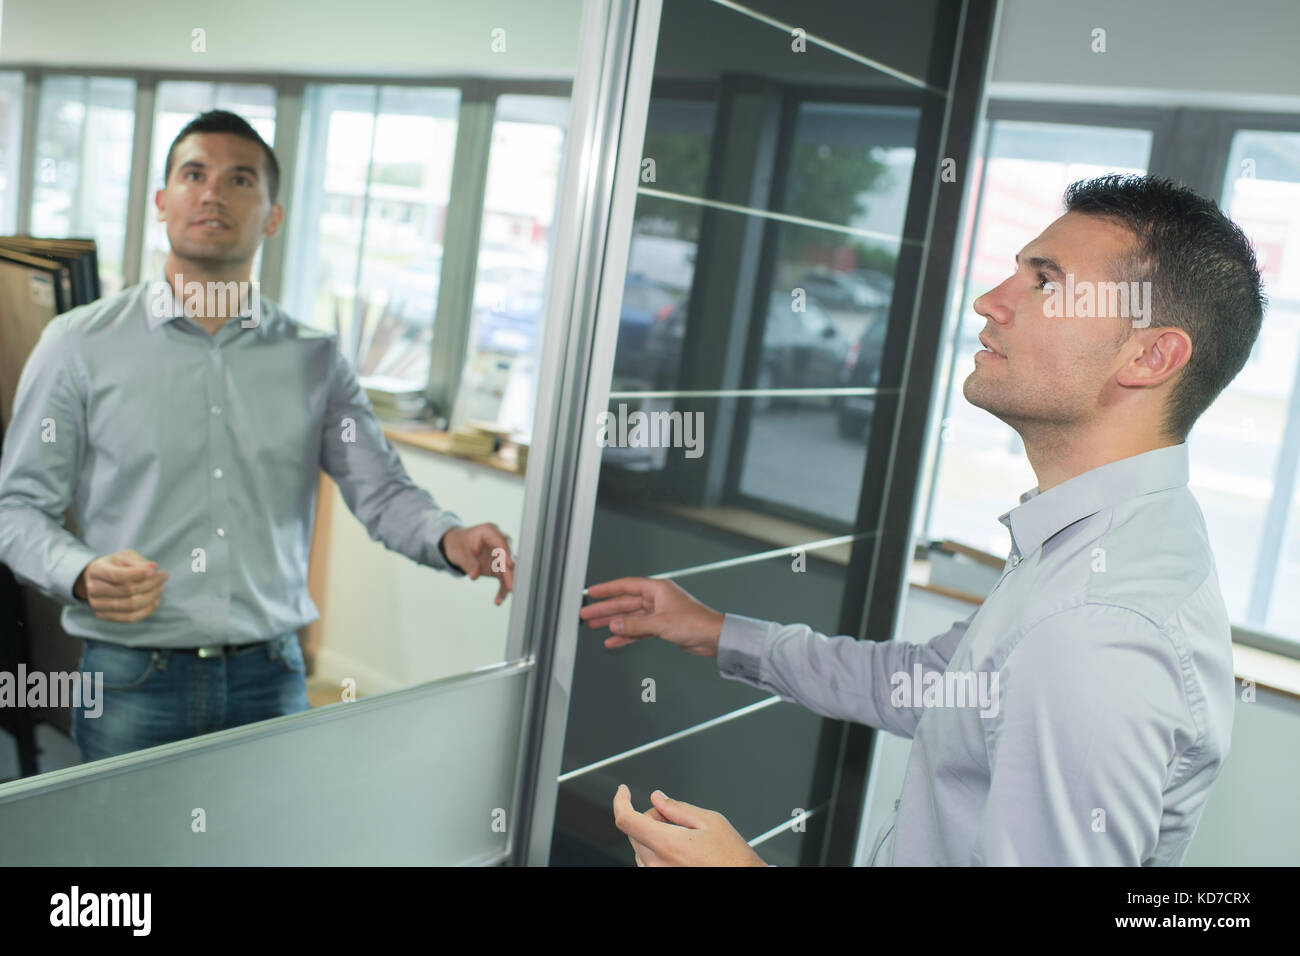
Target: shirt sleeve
(1082, 743)
(361, 461)
(839, 677)
(39, 469)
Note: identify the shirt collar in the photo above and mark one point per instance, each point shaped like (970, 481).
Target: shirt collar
(160, 305)
(1041, 515)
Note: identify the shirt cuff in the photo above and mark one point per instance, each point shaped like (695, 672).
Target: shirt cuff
(66, 571)
(435, 556)
(741, 647)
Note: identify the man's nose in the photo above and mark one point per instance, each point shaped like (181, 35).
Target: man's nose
(994, 304)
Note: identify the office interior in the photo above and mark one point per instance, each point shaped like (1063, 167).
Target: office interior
(516, 216)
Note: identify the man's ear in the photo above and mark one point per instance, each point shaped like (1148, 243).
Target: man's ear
(273, 220)
(1164, 351)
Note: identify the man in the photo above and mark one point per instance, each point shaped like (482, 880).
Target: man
(185, 426)
(1105, 643)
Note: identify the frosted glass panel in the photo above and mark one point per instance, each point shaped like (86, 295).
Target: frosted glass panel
(409, 778)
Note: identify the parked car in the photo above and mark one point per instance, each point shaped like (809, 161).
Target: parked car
(843, 290)
(645, 302)
(800, 349)
(861, 369)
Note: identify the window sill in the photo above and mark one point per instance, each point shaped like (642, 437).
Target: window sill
(430, 439)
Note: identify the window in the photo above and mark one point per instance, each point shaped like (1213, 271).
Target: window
(523, 178)
(83, 166)
(1245, 447)
(369, 276)
(11, 126)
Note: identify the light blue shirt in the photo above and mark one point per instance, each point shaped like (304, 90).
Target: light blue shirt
(202, 453)
(1097, 676)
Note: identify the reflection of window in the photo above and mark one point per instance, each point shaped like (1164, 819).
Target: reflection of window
(364, 272)
(83, 163)
(1246, 447)
(509, 303)
(850, 167)
(179, 102)
(11, 119)
(981, 465)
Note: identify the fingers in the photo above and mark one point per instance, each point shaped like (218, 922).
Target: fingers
(628, 820)
(620, 586)
(679, 812)
(124, 576)
(107, 587)
(598, 615)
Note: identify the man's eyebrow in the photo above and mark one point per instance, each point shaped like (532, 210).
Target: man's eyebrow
(1043, 263)
(202, 165)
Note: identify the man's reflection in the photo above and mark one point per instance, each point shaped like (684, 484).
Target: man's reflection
(184, 422)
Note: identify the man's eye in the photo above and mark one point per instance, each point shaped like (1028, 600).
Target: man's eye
(1042, 282)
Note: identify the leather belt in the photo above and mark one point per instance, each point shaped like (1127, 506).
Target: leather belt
(218, 650)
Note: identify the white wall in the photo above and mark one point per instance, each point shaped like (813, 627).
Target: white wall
(1192, 52)
(389, 622)
(382, 37)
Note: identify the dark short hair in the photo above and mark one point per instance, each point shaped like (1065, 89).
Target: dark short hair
(223, 121)
(1203, 274)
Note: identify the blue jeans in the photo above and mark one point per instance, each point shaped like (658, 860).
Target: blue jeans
(153, 697)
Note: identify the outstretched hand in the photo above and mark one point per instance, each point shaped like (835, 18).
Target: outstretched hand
(479, 550)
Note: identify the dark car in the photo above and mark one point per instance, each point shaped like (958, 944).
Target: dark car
(800, 349)
(843, 290)
(645, 302)
(861, 370)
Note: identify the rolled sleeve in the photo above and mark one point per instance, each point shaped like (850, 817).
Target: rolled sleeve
(1083, 742)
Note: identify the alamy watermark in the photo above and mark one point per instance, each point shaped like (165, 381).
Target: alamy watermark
(946, 689)
(208, 300)
(658, 429)
(58, 689)
(1127, 300)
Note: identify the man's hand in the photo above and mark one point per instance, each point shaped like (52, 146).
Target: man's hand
(121, 587)
(673, 833)
(646, 607)
(482, 549)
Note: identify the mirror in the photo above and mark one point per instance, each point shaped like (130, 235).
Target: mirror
(278, 472)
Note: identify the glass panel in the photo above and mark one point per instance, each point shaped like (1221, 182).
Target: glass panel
(11, 131)
(1237, 445)
(982, 467)
(613, 717)
(406, 207)
(528, 137)
(736, 330)
(720, 766)
(176, 104)
(83, 166)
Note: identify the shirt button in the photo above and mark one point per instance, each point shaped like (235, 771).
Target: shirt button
(216, 472)
(216, 409)
(221, 532)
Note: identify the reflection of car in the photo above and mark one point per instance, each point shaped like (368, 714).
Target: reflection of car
(861, 370)
(800, 349)
(843, 290)
(645, 302)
